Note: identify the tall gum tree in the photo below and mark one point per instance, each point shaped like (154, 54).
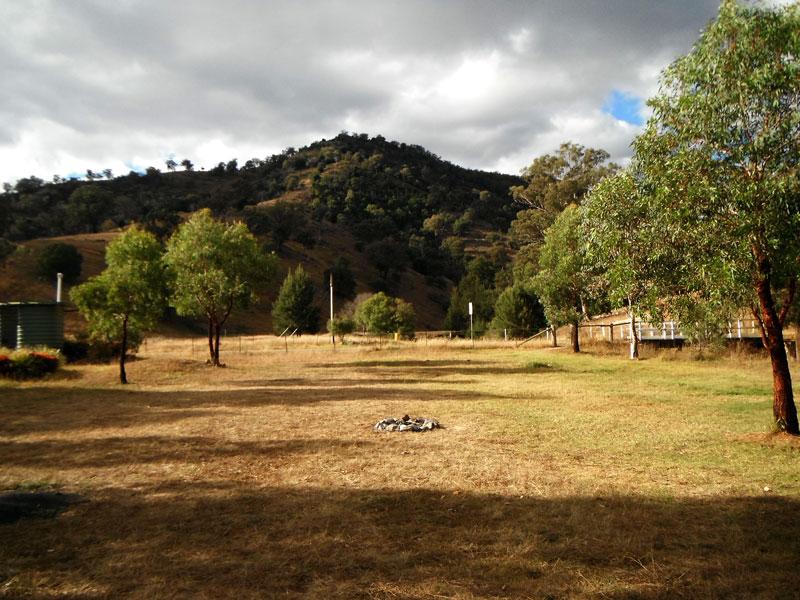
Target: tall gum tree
(563, 280)
(619, 245)
(214, 267)
(720, 155)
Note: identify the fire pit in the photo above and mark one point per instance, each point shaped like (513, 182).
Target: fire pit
(407, 424)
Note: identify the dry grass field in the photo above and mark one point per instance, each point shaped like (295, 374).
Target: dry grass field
(556, 476)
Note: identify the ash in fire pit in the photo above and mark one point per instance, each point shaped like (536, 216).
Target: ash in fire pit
(407, 424)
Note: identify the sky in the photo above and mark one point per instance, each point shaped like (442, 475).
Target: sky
(491, 85)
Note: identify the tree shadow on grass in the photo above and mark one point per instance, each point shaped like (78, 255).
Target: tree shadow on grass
(225, 540)
(114, 451)
(420, 370)
(33, 409)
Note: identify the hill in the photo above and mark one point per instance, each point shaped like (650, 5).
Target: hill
(404, 219)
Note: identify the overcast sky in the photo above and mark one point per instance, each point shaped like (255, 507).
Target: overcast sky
(126, 84)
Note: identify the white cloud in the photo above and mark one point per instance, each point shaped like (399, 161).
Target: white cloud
(95, 84)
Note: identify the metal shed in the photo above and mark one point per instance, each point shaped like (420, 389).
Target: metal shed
(31, 324)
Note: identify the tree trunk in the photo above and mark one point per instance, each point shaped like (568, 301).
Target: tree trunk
(123, 377)
(634, 333)
(783, 408)
(555, 342)
(216, 346)
(576, 345)
(211, 339)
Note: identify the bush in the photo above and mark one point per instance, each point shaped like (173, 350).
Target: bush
(381, 314)
(341, 327)
(75, 350)
(5, 365)
(59, 258)
(29, 364)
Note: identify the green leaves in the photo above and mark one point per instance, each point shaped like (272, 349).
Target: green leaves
(131, 290)
(214, 266)
(294, 307)
(562, 279)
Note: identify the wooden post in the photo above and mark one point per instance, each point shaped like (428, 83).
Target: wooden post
(611, 332)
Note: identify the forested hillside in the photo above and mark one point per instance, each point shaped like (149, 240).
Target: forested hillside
(398, 217)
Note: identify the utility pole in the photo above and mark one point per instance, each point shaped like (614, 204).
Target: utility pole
(333, 336)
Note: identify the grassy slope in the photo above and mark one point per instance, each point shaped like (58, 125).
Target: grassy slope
(556, 476)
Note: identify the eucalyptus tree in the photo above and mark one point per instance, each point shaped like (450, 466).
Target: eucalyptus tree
(619, 245)
(215, 267)
(720, 156)
(553, 182)
(128, 297)
(563, 280)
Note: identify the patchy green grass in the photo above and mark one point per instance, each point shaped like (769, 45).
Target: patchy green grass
(556, 476)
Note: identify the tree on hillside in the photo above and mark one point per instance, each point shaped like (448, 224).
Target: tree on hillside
(129, 296)
(214, 267)
(282, 221)
(552, 182)
(344, 281)
(721, 156)
(171, 164)
(562, 281)
(59, 258)
(294, 308)
(389, 258)
(187, 164)
(615, 216)
(87, 207)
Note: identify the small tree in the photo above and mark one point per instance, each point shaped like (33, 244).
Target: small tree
(129, 296)
(341, 326)
(59, 258)
(214, 268)
(518, 311)
(381, 314)
(187, 164)
(561, 283)
(294, 307)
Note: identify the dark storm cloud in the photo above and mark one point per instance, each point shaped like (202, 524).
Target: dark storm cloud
(485, 84)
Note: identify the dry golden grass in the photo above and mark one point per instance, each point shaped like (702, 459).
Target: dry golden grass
(556, 476)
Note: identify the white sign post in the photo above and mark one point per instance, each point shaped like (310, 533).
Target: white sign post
(471, 339)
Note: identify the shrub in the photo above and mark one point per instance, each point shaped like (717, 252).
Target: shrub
(29, 364)
(5, 365)
(381, 314)
(341, 327)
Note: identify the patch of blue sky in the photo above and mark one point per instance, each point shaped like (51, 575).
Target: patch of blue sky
(625, 106)
(135, 168)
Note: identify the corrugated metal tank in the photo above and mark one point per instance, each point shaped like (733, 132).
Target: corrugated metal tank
(32, 324)
(8, 326)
